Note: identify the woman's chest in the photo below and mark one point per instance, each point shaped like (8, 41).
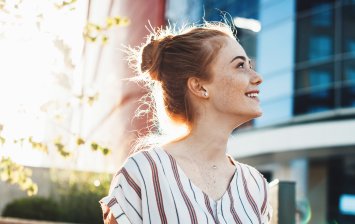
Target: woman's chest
(213, 182)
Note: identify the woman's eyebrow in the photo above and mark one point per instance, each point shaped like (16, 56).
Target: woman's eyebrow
(239, 57)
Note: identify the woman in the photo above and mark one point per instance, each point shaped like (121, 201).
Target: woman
(209, 86)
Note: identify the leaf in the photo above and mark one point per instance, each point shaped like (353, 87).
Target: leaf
(104, 39)
(94, 146)
(98, 28)
(80, 141)
(32, 190)
(2, 140)
(61, 148)
(117, 20)
(109, 22)
(125, 22)
(106, 151)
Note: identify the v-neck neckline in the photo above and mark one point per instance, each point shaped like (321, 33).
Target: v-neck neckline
(182, 173)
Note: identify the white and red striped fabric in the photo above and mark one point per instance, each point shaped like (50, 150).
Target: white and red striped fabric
(152, 188)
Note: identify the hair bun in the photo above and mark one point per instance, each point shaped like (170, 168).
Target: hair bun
(152, 56)
(148, 59)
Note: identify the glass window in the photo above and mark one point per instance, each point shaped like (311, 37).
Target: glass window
(350, 74)
(351, 46)
(315, 77)
(320, 46)
(323, 15)
(315, 91)
(320, 78)
(348, 85)
(314, 42)
(315, 30)
(305, 5)
(348, 28)
(314, 100)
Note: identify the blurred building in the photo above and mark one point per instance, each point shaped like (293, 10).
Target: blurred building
(305, 51)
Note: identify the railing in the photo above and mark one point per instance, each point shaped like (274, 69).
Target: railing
(283, 202)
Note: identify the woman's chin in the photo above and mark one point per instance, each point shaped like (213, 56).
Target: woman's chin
(256, 114)
(259, 114)
(250, 117)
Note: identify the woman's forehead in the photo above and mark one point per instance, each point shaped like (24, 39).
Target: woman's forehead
(233, 47)
(230, 50)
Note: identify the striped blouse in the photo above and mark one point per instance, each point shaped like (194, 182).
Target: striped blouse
(152, 188)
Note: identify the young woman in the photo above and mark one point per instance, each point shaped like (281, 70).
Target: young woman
(209, 86)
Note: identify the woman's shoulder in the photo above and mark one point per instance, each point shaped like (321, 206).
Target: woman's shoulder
(141, 161)
(133, 170)
(258, 182)
(250, 173)
(143, 158)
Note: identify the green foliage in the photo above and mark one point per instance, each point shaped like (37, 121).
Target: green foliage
(81, 207)
(75, 200)
(33, 208)
(79, 197)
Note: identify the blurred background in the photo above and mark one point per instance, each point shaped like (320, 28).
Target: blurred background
(68, 116)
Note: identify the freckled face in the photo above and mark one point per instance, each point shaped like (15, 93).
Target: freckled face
(234, 86)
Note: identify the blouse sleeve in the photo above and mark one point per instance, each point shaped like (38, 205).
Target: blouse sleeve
(266, 209)
(124, 200)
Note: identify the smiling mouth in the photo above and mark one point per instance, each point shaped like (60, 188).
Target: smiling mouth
(253, 95)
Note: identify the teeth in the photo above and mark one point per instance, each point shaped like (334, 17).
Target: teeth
(252, 95)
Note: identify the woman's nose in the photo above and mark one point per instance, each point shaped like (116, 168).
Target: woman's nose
(256, 79)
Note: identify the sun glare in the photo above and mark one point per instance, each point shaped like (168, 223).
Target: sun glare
(169, 129)
(30, 58)
(246, 23)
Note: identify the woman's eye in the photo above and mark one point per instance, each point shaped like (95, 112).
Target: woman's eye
(240, 65)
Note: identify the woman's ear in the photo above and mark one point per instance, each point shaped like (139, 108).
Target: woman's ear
(196, 87)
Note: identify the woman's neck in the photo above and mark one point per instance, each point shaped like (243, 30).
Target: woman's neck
(207, 141)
